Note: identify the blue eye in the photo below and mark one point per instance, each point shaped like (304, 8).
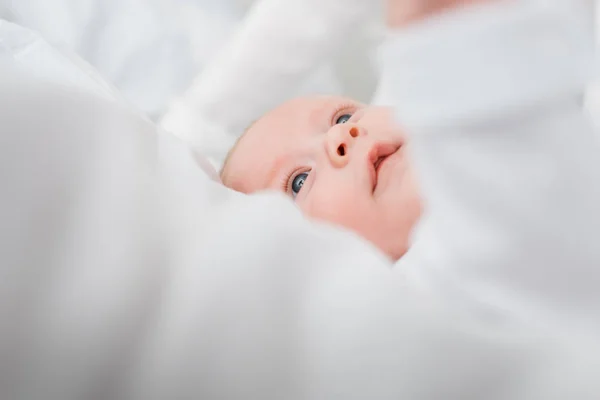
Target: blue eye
(343, 119)
(298, 182)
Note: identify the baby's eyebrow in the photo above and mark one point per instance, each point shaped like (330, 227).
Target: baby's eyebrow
(325, 112)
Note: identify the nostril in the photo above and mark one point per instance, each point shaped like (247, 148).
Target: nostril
(353, 132)
(341, 150)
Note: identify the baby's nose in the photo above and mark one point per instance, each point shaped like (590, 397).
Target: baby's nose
(340, 141)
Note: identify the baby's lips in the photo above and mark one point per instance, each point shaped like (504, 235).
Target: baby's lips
(382, 149)
(378, 151)
(372, 175)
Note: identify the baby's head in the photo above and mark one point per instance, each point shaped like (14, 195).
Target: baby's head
(341, 162)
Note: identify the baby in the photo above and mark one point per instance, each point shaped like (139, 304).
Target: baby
(341, 162)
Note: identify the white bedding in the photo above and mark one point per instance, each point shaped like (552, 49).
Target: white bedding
(27, 51)
(126, 264)
(127, 267)
(180, 57)
(149, 50)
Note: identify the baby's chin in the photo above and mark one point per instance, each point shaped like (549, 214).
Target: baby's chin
(394, 249)
(392, 242)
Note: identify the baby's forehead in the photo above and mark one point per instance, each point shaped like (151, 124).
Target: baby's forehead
(292, 118)
(305, 108)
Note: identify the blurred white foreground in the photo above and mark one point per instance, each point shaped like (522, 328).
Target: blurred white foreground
(128, 275)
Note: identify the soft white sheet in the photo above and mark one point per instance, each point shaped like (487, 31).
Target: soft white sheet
(278, 45)
(152, 50)
(507, 161)
(127, 273)
(27, 51)
(281, 50)
(149, 50)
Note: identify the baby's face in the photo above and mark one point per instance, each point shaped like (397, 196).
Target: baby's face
(339, 160)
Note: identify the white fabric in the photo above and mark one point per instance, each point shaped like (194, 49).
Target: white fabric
(25, 50)
(508, 163)
(273, 54)
(150, 50)
(282, 50)
(126, 273)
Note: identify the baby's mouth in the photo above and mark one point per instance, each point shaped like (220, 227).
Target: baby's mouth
(377, 166)
(378, 163)
(377, 157)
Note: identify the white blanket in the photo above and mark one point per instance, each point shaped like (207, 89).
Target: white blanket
(150, 50)
(127, 273)
(27, 51)
(281, 50)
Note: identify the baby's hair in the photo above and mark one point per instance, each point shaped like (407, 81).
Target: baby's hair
(223, 172)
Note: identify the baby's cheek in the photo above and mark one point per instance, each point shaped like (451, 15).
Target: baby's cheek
(347, 211)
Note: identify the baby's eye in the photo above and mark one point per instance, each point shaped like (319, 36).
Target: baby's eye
(298, 182)
(343, 119)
